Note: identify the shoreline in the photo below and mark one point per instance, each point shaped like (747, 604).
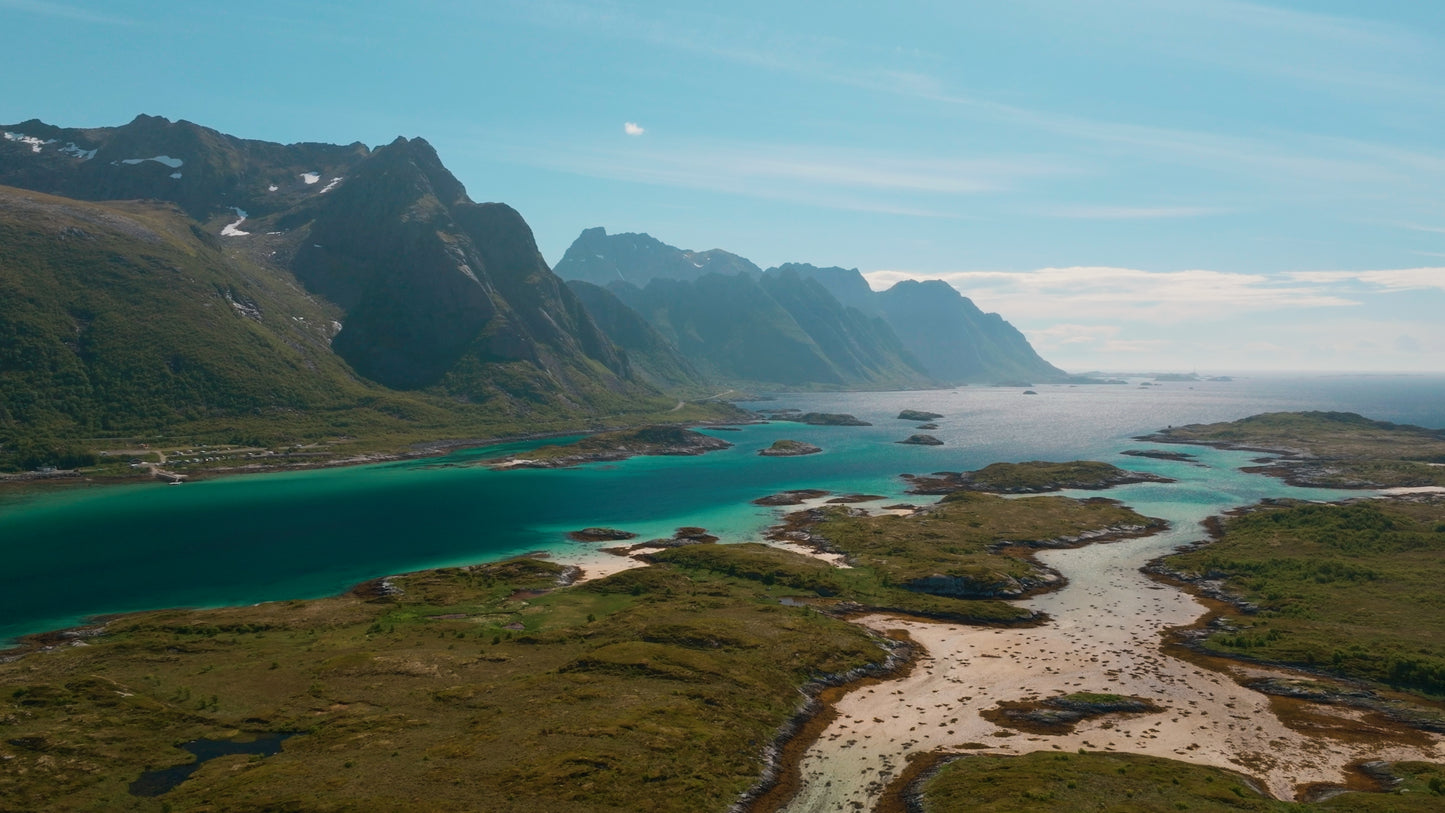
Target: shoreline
(1106, 636)
(39, 482)
(589, 566)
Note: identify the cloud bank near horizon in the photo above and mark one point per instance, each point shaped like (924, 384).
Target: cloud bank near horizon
(1098, 317)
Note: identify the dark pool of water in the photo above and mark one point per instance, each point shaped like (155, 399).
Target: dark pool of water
(155, 783)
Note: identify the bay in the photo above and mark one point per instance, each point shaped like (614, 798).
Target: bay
(69, 554)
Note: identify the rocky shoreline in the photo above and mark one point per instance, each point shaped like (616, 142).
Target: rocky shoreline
(782, 758)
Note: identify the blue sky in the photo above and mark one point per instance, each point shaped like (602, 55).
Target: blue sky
(1136, 184)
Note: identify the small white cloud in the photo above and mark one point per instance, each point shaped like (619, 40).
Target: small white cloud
(632, 128)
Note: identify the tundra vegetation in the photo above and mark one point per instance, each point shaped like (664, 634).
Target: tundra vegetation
(489, 686)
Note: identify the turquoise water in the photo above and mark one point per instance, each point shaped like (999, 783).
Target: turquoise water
(70, 554)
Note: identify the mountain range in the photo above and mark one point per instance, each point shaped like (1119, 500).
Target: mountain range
(800, 325)
(161, 275)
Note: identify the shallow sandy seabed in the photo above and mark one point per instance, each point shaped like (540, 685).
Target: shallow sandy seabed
(1105, 637)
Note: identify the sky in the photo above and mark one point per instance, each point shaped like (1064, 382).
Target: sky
(1211, 185)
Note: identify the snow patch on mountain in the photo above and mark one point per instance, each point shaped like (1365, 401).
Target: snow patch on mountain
(35, 143)
(310, 177)
(230, 229)
(173, 163)
(78, 152)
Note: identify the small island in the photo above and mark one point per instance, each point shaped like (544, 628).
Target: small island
(612, 446)
(1032, 477)
(1159, 454)
(600, 535)
(1059, 715)
(918, 415)
(789, 448)
(921, 440)
(826, 419)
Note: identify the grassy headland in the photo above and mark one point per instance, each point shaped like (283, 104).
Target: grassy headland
(1351, 589)
(1328, 449)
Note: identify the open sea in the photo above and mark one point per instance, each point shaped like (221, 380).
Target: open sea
(67, 554)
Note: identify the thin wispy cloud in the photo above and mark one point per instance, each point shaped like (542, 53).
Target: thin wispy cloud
(1102, 293)
(835, 178)
(1398, 279)
(1132, 212)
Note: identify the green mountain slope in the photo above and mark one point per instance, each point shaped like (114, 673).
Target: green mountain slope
(942, 329)
(125, 317)
(649, 354)
(731, 329)
(862, 348)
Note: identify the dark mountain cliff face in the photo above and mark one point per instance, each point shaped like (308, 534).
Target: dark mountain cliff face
(846, 285)
(861, 347)
(731, 329)
(648, 353)
(432, 291)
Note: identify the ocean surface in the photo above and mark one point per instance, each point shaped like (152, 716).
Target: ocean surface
(69, 554)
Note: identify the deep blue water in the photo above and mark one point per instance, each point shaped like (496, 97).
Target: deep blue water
(65, 555)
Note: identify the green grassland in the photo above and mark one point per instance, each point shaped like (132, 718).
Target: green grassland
(1127, 783)
(657, 687)
(1338, 449)
(976, 542)
(482, 688)
(1350, 588)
